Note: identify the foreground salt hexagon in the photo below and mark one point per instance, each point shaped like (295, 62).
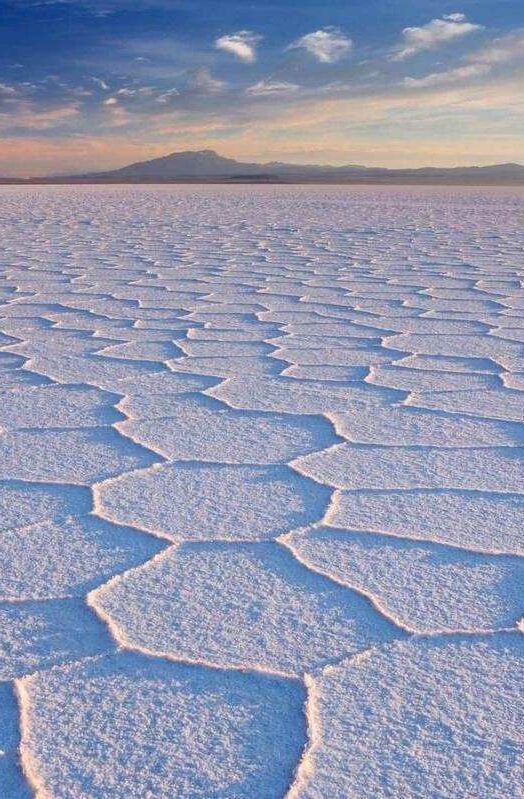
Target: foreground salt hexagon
(474, 346)
(481, 522)
(126, 726)
(225, 366)
(58, 406)
(23, 503)
(239, 605)
(104, 373)
(425, 587)
(55, 559)
(412, 427)
(298, 396)
(78, 456)
(403, 378)
(504, 403)
(435, 718)
(389, 468)
(194, 428)
(195, 501)
(37, 635)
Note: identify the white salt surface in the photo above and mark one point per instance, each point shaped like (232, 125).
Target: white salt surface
(426, 718)
(126, 725)
(238, 606)
(423, 586)
(261, 492)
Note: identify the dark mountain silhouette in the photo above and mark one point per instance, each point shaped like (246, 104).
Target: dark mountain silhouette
(207, 166)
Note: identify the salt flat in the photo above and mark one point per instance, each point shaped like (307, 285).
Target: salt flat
(262, 492)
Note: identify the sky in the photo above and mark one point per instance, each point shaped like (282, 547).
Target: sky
(95, 84)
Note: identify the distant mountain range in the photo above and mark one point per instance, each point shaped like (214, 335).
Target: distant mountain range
(206, 166)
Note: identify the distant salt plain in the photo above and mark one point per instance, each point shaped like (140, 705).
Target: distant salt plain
(262, 492)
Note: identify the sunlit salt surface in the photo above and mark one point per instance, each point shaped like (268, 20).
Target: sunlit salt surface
(261, 492)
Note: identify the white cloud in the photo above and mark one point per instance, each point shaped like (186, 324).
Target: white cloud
(241, 44)
(435, 33)
(80, 91)
(327, 46)
(501, 51)
(143, 91)
(202, 80)
(7, 91)
(99, 82)
(271, 87)
(167, 96)
(449, 76)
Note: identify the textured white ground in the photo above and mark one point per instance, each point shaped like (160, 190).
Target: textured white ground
(261, 492)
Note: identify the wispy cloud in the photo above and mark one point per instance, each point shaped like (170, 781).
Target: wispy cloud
(241, 44)
(434, 34)
(101, 83)
(25, 116)
(499, 52)
(202, 80)
(267, 88)
(448, 76)
(502, 50)
(6, 90)
(167, 96)
(327, 46)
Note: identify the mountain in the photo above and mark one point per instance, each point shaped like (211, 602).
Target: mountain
(189, 164)
(208, 166)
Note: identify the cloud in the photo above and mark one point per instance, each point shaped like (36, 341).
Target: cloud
(501, 51)
(435, 33)
(130, 95)
(26, 117)
(265, 88)
(241, 44)
(7, 91)
(455, 17)
(448, 76)
(327, 45)
(80, 91)
(101, 83)
(167, 96)
(202, 80)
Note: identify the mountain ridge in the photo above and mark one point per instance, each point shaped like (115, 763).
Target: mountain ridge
(207, 166)
(208, 163)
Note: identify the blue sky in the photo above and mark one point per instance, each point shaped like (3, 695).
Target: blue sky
(98, 83)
